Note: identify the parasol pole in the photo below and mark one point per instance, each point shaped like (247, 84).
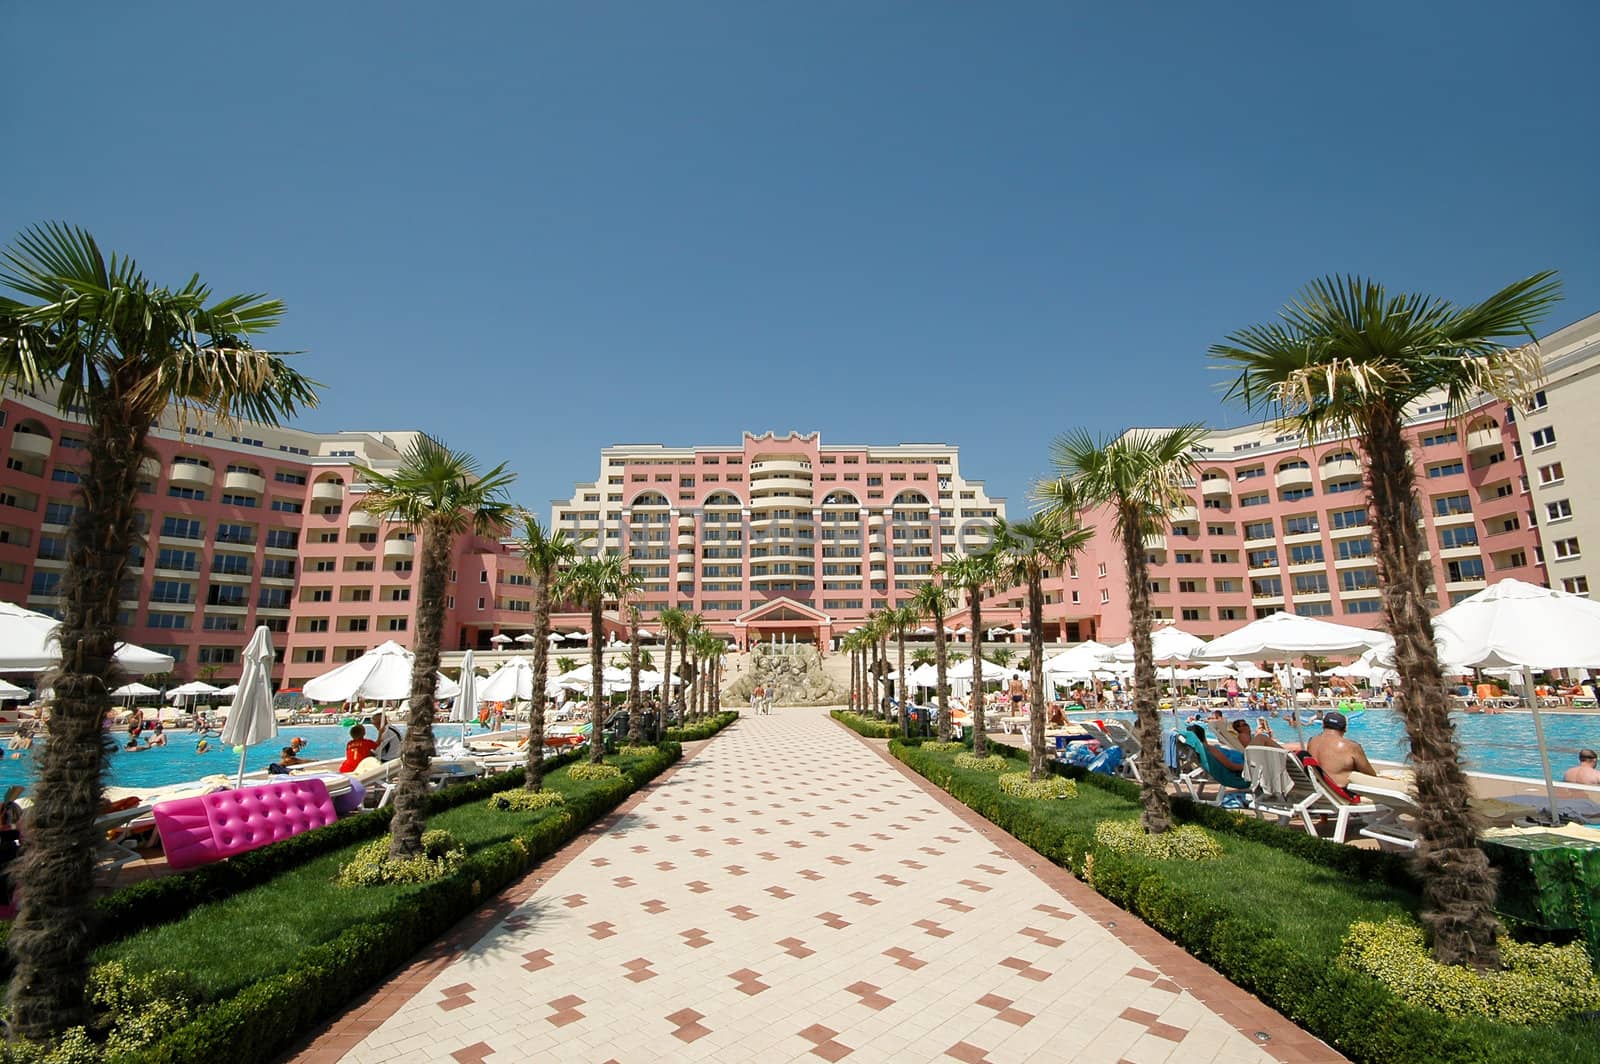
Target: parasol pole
(1544, 751)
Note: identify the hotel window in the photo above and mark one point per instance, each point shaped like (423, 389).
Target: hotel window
(1559, 510)
(1446, 469)
(1543, 437)
(283, 538)
(1439, 439)
(1301, 525)
(222, 624)
(320, 594)
(1314, 609)
(182, 528)
(196, 494)
(1105, 596)
(1263, 559)
(1465, 569)
(1252, 472)
(1538, 402)
(1311, 584)
(1576, 585)
(287, 506)
(1359, 579)
(480, 604)
(1076, 598)
(1464, 536)
(1451, 505)
(1190, 587)
(1552, 473)
(1349, 549)
(1305, 554)
(1350, 518)
(1295, 494)
(313, 655)
(289, 478)
(1258, 530)
(1221, 557)
(168, 620)
(396, 624)
(1228, 613)
(1568, 548)
(323, 565)
(1258, 499)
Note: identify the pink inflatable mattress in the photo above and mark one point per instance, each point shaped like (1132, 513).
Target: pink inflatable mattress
(210, 827)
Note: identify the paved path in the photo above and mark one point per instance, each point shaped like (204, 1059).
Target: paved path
(789, 894)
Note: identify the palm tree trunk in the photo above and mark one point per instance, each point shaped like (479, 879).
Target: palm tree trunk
(597, 698)
(1157, 816)
(902, 688)
(883, 672)
(50, 940)
(635, 710)
(666, 683)
(1458, 886)
(533, 778)
(416, 752)
(1038, 765)
(716, 689)
(855, 703)
(980, 738)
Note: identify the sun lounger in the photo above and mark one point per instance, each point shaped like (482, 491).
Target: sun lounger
(1347, 805)
(1281, 788)
(1208, 771)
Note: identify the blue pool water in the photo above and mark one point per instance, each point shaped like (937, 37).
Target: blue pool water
(1502, 743)
(179, 761)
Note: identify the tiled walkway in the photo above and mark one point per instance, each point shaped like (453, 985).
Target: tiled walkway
(788, 894)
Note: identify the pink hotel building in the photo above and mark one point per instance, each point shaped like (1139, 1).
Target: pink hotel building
(774, 537)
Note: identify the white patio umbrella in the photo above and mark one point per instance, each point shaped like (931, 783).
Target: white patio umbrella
(499, 639)
(10, 692)
(1518, 625)
(382, 674)
(28, 644)
(1079, 660)
(192, 689)
(1167, 645)
(135, 690)
(553, 637)
(1249, 670)
(251, 720)
(579, 636)
(527, 638)
(650, 680)
(466, 703)
(1216, 670)
(231, 689)
(511, 682)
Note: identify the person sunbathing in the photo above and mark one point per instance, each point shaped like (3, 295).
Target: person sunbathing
(1229, 758)
(1337, 755)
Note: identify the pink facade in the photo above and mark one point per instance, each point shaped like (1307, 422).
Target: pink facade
(1279, 526)
(239, 533)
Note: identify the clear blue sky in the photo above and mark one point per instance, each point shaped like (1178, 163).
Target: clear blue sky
(536, 229)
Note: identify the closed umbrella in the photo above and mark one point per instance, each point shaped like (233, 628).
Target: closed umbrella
(466, 702)
(252, 721)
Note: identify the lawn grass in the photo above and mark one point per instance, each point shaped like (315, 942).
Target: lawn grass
(227, 945)
(1270, 920)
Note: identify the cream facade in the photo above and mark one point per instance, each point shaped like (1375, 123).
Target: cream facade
(1560, 436)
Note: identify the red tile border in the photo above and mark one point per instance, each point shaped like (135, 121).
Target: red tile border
(331, 1041)
(1243, 1011)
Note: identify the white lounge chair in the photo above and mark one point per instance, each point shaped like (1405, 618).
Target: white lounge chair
(1368, 813)
(1282, 789)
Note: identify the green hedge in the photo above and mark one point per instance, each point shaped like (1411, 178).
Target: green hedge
(701, 729)
(865, 726)
(1257, 946)
(265, 1018)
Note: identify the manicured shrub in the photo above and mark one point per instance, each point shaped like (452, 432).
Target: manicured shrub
(702, 729)
(1187, 842)
(992, 763)
(865, 726)
(631, 750)
(943, 747)
(525, 801)
(1018, 785)
(591, 771)
(373, 866)
(1539, 983)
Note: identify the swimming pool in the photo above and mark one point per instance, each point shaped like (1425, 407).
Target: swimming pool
(1499, 743)
(179, 761)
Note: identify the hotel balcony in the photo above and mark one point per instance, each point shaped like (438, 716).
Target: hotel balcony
(189, 473)
(399, 548)
(248, 483)
(780, 486)
(1340, 469)
(32, 444)
(1214, 487)
(360, 518)
(1155, 543)
(1297, 477)
(327, 491)
(1184, 515)
(1484, 441)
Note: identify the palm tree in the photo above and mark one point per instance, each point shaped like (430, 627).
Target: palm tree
(674, 625)
(565, 664)
(716, 650)
(934, 599)
(635, 710)
(1002, 656)
(900, 621)
(440, 495)
(1140, 476)
(126, 352)
(974, 574)
(1349, 357)
(590, 582)
(694, 624)
(1022, 550)
(544, 553)
(922, 656)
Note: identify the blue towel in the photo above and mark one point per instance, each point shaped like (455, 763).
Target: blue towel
(1169, 749)
(1108, 761)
